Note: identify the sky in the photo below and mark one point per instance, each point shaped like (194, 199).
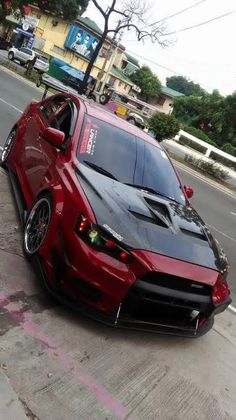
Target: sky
(206, 54)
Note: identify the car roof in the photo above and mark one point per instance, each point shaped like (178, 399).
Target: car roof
(100, 112)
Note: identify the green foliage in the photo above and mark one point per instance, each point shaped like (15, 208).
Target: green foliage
(229, 148)
(185, 86)
(214, 114)
(164, 126)
(68, 9)
(7, 9)
(208, 167)
(197, 132)
(148, 82)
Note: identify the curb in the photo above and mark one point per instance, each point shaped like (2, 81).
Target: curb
(19, 77)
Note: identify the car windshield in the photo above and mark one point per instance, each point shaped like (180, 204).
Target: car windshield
(122, 156)
(43, 59)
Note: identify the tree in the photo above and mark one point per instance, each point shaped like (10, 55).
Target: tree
(185, 86)
(7, 7)
(132, 15)
(164, 126)
(214, 114)
(148, 82)
(69, 9)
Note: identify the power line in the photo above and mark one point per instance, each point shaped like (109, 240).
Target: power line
(200, 24)
(164, 67)
(154, 62)
(178, 13)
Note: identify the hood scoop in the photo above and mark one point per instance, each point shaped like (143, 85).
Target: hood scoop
(160, 213)
(197, 235)
(155, 219)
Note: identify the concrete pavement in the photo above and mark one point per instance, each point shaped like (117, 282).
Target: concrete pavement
(10, 406)
(62, 365)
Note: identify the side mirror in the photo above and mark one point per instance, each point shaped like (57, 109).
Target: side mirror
(188, 191)
(54, 137)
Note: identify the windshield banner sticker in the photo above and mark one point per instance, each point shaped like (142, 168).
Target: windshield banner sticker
(89, 139)
(85, 137)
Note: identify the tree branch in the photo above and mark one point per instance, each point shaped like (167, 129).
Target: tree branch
(111, 9)
(121, 13)
(99, 8)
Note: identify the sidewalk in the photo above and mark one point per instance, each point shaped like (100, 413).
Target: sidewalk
(64, 366)
(10, 407)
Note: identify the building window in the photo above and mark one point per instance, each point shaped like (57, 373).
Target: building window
(161, 100)
(58, 50)
(120, 83)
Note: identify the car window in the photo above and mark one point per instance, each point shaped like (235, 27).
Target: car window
(26, 51)
(158, 173)
(63, 120)
(51, 106)
(43, 59)
(128, 158)
(109, 147)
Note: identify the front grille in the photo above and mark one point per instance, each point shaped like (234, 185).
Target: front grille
(168, 301)
(177, 283)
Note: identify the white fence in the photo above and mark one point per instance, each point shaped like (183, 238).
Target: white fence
(208, 147)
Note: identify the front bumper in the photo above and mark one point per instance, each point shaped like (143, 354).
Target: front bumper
(165, 311)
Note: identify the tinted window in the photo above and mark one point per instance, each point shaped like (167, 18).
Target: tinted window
(26, 51)
(62, 121)
(50, 107)
(128, 158)
(159, 174)
(109, 147)
(43, 59)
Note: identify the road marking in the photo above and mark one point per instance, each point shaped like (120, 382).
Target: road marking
(234, 214)
(222, 233)
(232, 309)
(11, 106)
(202, 178)
(1, 148)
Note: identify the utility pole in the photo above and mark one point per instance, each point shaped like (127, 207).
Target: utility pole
(110, 55)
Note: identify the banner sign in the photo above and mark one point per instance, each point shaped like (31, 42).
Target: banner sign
(81, 42)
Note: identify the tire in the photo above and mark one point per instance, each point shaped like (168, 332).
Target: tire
(11, 56)
(132, 121)
(10, 141)
(103, 99)
(37, 225)
(93, 97)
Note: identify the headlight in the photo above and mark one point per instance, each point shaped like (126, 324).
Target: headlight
(92, 235)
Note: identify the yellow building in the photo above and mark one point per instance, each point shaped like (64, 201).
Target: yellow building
(51, 36)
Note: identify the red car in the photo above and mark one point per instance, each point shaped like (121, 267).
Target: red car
(109, 222)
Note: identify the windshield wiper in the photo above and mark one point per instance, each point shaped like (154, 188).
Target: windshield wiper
(100, 169)
(152, 191)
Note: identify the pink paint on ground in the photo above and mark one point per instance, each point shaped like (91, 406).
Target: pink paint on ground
(33, 330)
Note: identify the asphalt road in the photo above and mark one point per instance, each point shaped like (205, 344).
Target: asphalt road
(217, 208)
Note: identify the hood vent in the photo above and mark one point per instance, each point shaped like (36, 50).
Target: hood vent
(158, 207)
(155, 220)
(197, 235)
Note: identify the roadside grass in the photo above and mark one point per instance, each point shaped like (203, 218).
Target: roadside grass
(181, 160)
(32, 78)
